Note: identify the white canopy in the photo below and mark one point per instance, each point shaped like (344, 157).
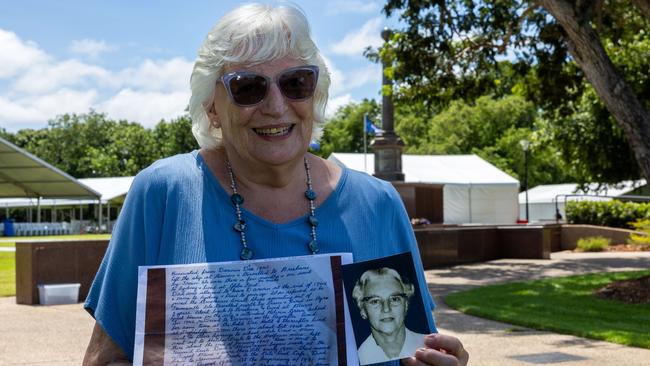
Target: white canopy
(24, 175)
(112, 189)
(475, 191)
(542, 199)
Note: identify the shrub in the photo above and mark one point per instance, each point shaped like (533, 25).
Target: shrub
(644, 227)
(593, 244)
(607, 213)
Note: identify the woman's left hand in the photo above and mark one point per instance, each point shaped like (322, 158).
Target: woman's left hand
(441, 350)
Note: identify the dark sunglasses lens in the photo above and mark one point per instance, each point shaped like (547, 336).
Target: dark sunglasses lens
(298, 84)
(248, 89)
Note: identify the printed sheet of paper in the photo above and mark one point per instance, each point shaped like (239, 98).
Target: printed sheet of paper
(284, 311)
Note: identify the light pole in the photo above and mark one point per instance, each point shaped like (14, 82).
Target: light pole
(525, 144)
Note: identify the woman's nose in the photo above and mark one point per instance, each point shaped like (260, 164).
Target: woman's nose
(275, 104)
(385, 306)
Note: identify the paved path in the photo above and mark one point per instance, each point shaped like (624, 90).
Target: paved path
(500, 344)
(58, 335)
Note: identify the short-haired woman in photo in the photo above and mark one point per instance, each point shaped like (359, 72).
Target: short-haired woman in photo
(383, 299)
(252, 191)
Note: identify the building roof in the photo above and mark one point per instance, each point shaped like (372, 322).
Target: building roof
(436, 169)
(24, 175)
(548, 192)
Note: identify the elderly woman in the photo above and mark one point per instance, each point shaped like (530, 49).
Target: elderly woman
(259, 87)
(383, 299)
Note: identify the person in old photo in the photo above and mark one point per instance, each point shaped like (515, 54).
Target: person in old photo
(383, 299)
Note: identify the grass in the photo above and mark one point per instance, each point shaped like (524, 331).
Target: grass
(562, 305)
(7, 274)
(593, 244)
(8, 259)
(10, 241)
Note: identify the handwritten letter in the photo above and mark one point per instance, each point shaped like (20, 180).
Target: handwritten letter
(273, 312)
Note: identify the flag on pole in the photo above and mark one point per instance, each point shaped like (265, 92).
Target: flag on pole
(314, 145)
(370, 127)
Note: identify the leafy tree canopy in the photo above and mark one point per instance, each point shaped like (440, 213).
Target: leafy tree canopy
(92, 145)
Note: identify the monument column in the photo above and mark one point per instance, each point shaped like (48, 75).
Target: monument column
(387, 146)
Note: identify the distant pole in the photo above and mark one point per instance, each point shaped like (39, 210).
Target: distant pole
(525, 145)
(365, 144)
(526, 180)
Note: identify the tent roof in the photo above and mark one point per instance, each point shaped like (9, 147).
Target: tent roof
(111, 189)
(436, 169)
(24, 175)
(548, 192)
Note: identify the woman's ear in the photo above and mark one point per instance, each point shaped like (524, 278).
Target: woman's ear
(213, 116)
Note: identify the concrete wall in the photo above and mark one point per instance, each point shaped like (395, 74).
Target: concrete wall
(56, 262)
(572, 233)
(443, 246)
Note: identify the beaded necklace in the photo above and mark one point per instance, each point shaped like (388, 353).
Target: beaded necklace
(240, 226)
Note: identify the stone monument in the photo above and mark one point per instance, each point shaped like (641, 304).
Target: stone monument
(387, 146)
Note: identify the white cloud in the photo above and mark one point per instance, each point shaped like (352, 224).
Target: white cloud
(37, 87)
(17, 55)
(344, 82)
(356, 41)
(147, 108)
(335, 103)
(353, 7)
(50, 77)
(363, 76)
(337, 79)
(38, 109)
(163, 75)
(90, 47)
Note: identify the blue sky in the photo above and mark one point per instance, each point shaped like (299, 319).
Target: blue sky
(132, 59)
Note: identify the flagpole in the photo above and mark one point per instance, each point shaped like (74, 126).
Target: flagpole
(365, 143)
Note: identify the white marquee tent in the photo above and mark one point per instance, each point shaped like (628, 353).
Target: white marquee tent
(542, 199)
(474, 191)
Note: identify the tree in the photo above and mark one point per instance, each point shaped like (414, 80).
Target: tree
(450, 49)
(174, 137)
(344, 131)
(492, 129)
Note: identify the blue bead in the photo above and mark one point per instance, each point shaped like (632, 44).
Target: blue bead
(237, 199)
(313, 246)
(240, 226)
(311, 195)
(313, 221)
(246, 254)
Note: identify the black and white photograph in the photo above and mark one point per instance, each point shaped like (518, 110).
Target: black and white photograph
(386, 308)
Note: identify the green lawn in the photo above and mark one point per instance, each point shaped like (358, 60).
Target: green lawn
(563, 305)
(6, 241)
(7, 274)
(8, 259)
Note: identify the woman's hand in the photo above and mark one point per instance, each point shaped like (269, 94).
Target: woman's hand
(441, 350)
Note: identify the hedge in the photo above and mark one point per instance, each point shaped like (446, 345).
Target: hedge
(607, 213)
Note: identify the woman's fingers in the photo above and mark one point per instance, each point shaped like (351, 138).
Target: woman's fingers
(442, 350)
(429, 357)
(447, 344)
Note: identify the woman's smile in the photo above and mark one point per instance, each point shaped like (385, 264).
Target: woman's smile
(274, 132)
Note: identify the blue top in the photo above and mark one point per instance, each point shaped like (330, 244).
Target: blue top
(176, 212)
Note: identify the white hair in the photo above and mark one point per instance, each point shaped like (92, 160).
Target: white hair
(372, 274)
(251, 34)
